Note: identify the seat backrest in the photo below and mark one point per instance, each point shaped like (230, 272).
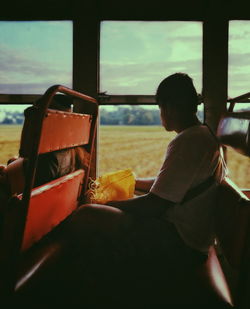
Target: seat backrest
(59, 130)
(46, 130)
(234, 131)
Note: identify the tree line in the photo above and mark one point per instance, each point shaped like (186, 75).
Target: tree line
(133, 115)
(120, 115)
(11, 117)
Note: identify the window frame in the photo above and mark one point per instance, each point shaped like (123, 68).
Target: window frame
(86, 32)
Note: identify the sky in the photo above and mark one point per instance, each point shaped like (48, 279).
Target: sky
(34, 56)
(134, 56)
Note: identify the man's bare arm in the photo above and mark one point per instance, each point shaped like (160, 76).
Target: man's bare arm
(147, 205)
(144, 184)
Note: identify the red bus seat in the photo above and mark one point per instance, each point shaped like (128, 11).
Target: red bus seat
(35, 213)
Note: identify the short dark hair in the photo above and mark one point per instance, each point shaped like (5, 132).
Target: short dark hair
(178, 89)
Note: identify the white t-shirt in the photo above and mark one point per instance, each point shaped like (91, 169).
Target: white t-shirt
(191, 158)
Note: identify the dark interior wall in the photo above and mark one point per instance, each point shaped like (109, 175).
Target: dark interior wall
(126, 10)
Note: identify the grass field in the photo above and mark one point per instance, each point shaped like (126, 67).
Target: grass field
(9, 141)
(141, 148)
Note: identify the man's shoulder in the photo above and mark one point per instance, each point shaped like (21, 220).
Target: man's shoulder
(197, 133)
(196, 139)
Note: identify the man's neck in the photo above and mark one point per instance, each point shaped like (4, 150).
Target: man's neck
(187, 122)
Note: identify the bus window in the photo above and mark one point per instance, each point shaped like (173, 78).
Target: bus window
(238, 57)
(135, 55)
(11, 121)
(31, 61)
(132, 137)
(31, 56)
(238, 165)
(238, 83)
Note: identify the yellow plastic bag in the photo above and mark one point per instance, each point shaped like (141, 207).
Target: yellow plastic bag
(113, 186)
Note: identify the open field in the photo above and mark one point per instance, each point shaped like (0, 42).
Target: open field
(9, 141)
(141, 148)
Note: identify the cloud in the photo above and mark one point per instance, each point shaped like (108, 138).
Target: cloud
(238, 84)
(13, 62)
(135, 56)
(19, 70)
(166, 48)
(142, 42)
(239, 60)
(238, 74)
(144, 78)
(27, 88)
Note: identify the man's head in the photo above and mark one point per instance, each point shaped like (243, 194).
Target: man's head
(176, 97)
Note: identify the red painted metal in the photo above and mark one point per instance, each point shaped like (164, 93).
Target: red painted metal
(60, 130)
(49, 205)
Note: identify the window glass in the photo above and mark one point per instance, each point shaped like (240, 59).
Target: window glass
(238, 84)
(31, 60)
(238, 167)
(135, 55)
(240, 107)
(11, 122)
(35, 55)
(238, 164)
(131, 137)
(239, 51)
(9, 141)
